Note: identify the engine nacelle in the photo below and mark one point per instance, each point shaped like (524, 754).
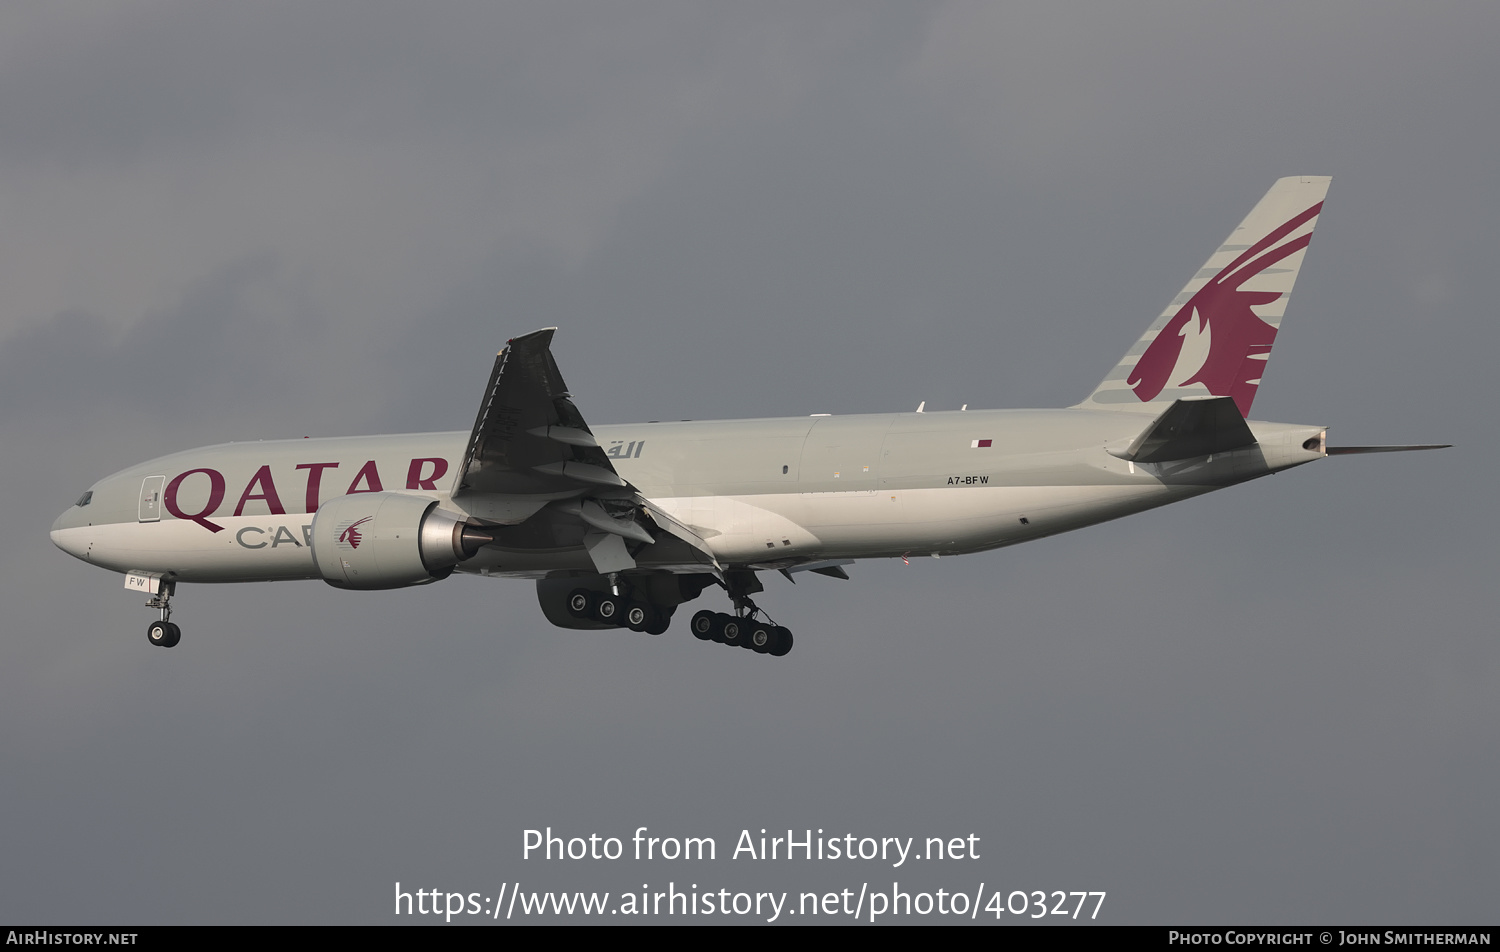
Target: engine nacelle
(389, 540)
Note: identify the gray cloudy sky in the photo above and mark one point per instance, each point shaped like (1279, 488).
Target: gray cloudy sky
(1276, 704)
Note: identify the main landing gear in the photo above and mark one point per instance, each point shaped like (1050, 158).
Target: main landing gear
(628, 603)
(163, 632)
(759, 636)
(747, 627)
(620, 610)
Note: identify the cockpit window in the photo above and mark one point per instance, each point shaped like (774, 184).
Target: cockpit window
(85, 499)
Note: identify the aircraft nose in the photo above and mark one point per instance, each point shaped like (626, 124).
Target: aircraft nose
(68, 533)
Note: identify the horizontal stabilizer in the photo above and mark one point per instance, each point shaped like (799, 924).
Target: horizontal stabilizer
(1353, 450)
(1190, 428)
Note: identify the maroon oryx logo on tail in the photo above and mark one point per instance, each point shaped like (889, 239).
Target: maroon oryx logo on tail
(1238, 340)
(351, 536)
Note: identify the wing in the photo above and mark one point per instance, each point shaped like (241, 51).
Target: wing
(529, 438)
(532, 459)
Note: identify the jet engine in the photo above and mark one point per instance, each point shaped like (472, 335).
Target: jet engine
(390, 540)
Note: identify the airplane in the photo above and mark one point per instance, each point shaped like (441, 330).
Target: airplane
(620, 525)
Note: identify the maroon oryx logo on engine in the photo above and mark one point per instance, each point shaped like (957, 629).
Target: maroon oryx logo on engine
(351, 536)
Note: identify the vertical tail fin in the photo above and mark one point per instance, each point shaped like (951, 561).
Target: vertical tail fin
(1216, 335)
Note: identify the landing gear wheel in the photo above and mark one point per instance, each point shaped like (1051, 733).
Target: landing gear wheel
(761, 638)
(659, 625)
(164, 633)
(782, 642)
(581, 603)
(640, 617)
(731, 630)
(608, 609)
(703, 625)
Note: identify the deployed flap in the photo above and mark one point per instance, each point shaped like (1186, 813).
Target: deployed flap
(529, 439)
(699, 547)
(593, 514)
(1190, 428)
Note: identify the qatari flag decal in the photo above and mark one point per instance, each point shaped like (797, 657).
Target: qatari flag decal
(978, 444)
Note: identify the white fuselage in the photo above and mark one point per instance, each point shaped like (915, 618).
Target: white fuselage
(761, 494)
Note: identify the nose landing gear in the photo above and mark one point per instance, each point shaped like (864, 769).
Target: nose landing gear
(163, 633)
